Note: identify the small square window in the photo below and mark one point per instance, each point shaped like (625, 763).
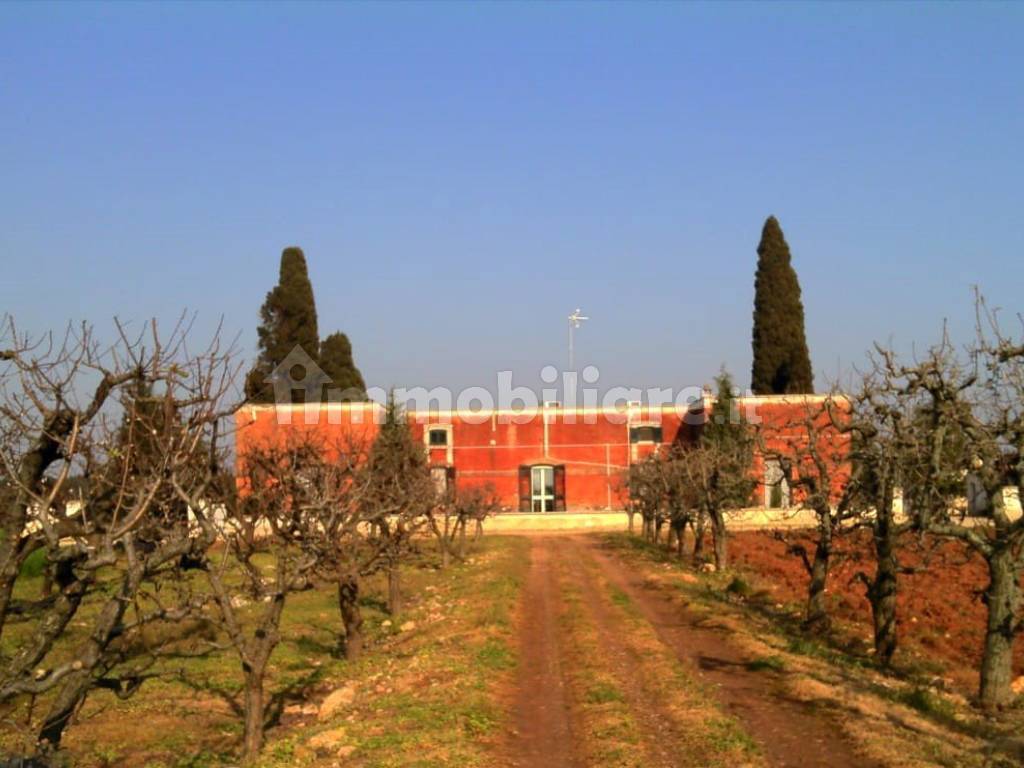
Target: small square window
(647, 433)
(438, 438)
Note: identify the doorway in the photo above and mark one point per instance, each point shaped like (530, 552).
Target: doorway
(542, 488)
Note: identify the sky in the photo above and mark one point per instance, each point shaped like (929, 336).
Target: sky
(462, 176)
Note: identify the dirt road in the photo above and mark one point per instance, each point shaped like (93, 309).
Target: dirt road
(576, 588)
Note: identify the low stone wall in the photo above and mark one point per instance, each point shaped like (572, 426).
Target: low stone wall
(618, 520)
(538, 522)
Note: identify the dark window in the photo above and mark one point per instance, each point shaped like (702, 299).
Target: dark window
(438, 437)
(645, 434)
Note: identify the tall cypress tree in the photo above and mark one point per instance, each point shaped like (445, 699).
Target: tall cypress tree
(287, 319)
(782, 364)
(337, 363)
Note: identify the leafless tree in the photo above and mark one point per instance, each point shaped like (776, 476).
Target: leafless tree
(814, 456)
(962, 420)
(451, 516)
(277, 526)
(71, 413)
(660, 492)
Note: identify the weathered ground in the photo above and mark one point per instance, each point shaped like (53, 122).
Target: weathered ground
(941, 613)
(583, 650)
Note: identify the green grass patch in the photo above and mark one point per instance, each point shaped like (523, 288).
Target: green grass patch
(740, 587)
(927, 702)
(620, 598)
(603, 693)
(34, 565)
(767, 664)
(495, 655)
(725, 734)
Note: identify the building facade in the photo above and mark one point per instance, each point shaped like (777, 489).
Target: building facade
(547, 459)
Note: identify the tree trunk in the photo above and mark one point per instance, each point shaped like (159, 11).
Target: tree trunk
(817, 612)
(631, 515)
(78, 683)
(351, 617)
(462, 539)
(1002, 598)
(882, 591)
(442, 540)
(721, 545)
(680, 540)
(11, 556)
(698, 538)
(69, 696)
(479, 531)
(254, 713)
(817, 618)
(394, 589)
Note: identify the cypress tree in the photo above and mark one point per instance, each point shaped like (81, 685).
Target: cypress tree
(338, 365)
(287, 319)
(782, 364)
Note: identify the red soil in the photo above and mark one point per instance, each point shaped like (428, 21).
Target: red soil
(941, 615)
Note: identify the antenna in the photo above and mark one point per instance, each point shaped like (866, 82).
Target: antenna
(575, 320)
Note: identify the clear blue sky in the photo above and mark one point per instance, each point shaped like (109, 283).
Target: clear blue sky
(462, 176)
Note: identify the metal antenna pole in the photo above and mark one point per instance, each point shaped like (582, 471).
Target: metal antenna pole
(575, 319)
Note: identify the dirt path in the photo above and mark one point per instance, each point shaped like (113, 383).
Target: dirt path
(789, 733)
(543, 737)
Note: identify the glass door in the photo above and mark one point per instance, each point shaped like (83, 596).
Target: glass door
(543, 489)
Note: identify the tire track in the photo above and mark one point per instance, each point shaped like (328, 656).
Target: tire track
(543, 736)
(791, 733)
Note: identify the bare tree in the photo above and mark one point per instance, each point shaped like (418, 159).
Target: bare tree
(877, 425)
(815, 460)
(963, 420)
(70, 410)
(645, 482)
(660, 492)
(451, 516)
(717, 469)
(276, 527)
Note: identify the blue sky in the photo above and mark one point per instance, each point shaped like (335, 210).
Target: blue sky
(462, 176)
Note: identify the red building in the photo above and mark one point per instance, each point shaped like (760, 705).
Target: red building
(543, 459)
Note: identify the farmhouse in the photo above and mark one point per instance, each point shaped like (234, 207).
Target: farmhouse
(545, 459)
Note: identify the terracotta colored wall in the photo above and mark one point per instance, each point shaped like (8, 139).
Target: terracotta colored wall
(490, 452)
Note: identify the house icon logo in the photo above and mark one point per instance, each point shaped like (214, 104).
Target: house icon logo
(298, 371)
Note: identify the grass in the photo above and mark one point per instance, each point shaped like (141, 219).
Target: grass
(425, 697)
(620, 598)
(897, 716)
(927, 702)
(740, 587)
(606, 731)
(495, 655)
(767, 664)
(603, 693)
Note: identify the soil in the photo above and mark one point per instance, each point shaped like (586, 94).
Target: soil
(788, 732)
(542, 737)
(941, 614)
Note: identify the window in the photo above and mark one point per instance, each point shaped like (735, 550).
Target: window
(645, 433)
(437, 437)
(776, 486)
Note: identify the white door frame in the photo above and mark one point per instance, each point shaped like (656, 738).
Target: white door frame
(542, 494)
